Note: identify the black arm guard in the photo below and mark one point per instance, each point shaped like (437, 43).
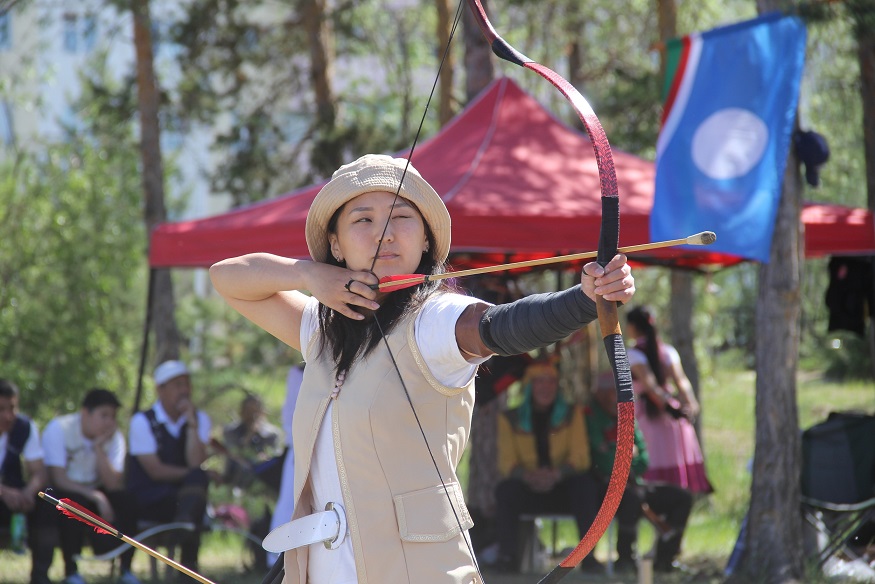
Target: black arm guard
(535, 321)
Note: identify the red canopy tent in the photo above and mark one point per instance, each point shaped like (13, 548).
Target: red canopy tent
(518, 184)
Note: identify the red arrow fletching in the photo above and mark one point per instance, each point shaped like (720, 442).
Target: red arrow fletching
(404, 281)
(93, 519)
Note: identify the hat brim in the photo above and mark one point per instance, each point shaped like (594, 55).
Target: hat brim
(375, 173)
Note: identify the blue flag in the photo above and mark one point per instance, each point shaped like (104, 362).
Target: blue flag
(726, 130)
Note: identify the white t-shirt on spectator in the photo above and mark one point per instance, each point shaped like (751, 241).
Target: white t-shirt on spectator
(76, 449)
(142, 440)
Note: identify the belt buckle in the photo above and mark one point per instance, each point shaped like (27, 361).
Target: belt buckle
(339, 512)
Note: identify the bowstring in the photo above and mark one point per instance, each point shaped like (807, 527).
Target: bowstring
(456, 19)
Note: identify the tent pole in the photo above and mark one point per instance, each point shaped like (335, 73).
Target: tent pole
(870, 337)
(144, 350)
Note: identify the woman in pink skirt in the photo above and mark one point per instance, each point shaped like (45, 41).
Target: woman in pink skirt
(664, 406)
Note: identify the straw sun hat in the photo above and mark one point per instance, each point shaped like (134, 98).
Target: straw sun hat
(376, 172)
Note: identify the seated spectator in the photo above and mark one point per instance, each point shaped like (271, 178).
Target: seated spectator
(85, 458)
(168, 443)
(666, 504)
(250, 444)
(544, 459)
(493, 378)
(22, 475)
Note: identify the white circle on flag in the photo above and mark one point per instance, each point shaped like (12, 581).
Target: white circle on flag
(729, 143)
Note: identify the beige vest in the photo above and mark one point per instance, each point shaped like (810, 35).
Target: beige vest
(400, 520)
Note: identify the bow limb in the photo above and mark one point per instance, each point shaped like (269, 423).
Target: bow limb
(607, 311)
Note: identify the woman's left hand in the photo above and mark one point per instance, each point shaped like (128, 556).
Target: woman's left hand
(691, 411)
(614, 282)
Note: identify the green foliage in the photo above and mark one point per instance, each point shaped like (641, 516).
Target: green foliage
(221, 339)
(830, 104)
(830, 100)
(618, 73)
(702, 16)
(71, 267)
(72, 275)
(727, 319)
(846, 356)
(248, 63)
(860, 14)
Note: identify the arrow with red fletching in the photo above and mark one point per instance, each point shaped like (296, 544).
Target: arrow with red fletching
(401, 281)
(76, 511)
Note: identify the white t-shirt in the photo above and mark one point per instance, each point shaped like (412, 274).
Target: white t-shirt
(142, 440)
(32, 450)
(435, 328)
(77, 450)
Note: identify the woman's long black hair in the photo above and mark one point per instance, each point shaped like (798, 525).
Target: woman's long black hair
(348, 340)
(642, 319)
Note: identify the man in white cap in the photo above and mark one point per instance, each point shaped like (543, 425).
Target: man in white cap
(168, 444)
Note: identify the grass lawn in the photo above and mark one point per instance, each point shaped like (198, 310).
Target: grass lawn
(728, 440)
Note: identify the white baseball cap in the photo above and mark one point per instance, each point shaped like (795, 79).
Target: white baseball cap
(169, 370)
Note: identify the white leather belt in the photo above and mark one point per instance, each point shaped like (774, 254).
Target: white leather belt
(327, 527)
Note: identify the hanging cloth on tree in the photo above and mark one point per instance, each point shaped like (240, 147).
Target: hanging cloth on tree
(850, 296)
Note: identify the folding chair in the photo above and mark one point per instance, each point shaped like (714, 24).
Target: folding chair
(838, 483)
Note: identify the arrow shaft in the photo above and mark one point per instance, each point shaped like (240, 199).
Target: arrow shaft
(130, 541)
(418, 278)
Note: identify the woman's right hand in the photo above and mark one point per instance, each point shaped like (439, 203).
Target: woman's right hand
(341, 289)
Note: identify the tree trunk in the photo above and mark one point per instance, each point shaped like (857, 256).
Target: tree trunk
(866, 53)
(683, 300)
(668, 27)
(775, 526)
(444, 25)
(774, 540)
(479, 68)
(167, 337)
(328, 154)
(682, 296)
(574, 23)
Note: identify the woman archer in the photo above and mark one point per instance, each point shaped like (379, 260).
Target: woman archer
(385, 370)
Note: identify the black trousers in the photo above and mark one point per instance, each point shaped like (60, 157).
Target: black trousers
(670, 502)
(187, 504)
(124, 506)
(576, 495)
(41, 537)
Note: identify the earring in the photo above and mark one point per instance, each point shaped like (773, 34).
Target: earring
(427, 247)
